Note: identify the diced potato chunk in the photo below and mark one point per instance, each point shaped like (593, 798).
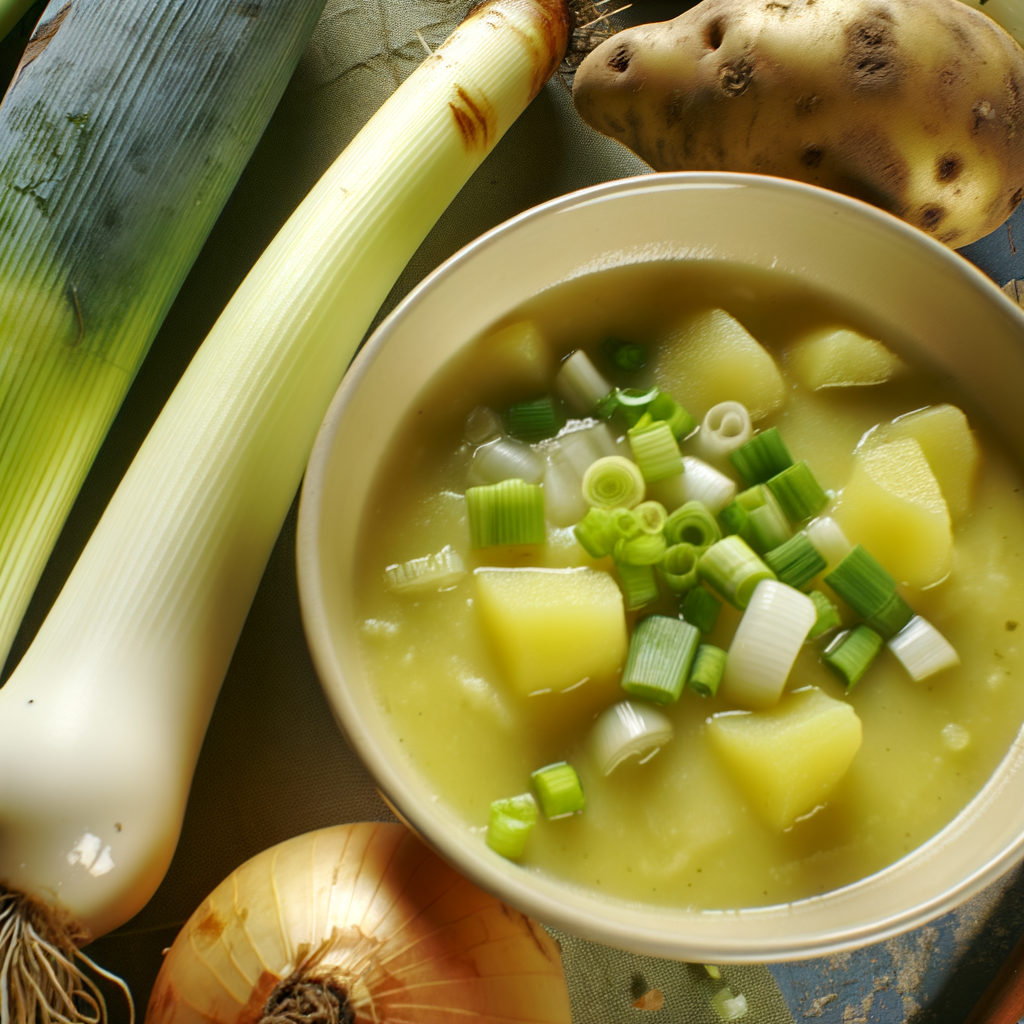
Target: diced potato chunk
(712, 358)
(788, 760)
(517, 356)
(836, 357)
(892, 504)
(553, 628)
(948, 444)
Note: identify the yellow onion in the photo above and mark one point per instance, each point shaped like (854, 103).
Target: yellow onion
(358, 923)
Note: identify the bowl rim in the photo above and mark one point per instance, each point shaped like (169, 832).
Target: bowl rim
(526, 897)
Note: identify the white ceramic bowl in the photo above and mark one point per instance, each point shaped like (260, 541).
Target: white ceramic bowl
(932, 299)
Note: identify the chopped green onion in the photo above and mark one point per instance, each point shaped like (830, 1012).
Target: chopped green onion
(639, 585)
(631, 404)
(482, 425)
(625, 355)
(765, 455)
(596, 533)
(798, 492)
(581, 385)
(891, 618)
(511, 822)
(504, 459)
(678, 567)
(795, 562)
(558, 788)
(511, 512)
(535, 420)
(701, 608)
(713, 971)
(862, 583)
(758, 518)
(693, 524)
(828, 537)
(651, 516)
(766, 643)
(708, 666)
(922, 650)
(661, 651)
(828, 615)
(613, 482)
(705, 483)
(627, 526)
(431, 572)
(647, 549)
(725, 428)
(608, 405)
(728, 1006)
(850, 654)
(665, 407)
(656, 451)
(628, 729)
(731, 568)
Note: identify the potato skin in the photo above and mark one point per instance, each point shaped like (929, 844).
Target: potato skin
(915, 106)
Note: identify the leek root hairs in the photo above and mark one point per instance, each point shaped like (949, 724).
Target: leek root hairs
(42, 977)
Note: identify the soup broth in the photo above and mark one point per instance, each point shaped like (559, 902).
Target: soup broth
(678, 829)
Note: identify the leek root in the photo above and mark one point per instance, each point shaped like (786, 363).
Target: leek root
(123, 674)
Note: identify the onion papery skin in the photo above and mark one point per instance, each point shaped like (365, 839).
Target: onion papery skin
(374, 910)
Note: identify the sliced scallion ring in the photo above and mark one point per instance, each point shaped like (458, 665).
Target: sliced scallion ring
(630, 728)
(613, 482)
(726, 426)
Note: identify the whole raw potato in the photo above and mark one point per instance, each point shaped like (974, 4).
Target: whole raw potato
(913, 105)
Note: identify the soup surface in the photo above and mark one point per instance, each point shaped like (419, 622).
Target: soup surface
(678, 829)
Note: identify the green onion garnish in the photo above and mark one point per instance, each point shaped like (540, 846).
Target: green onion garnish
(701, 608)
(596, 533)
(891, 618)
(758, 518)
(708, 666)
(850, 654)
(581, 385)
(627, 525)
(651, 516)
(678, 567)
(922, 650)
(665, 407)
(511, 512)
(558, 788)
(647, 549)
(613, 482)
(511, 822)
(795, 562)
(731, 568)
(862, 583)
(535, 420)
(694, 524)
(631, 404)
(828, 615)
(798, 492)
(762, 457)
(626, 355)
(639, 585)
(661, 651)
(656, 451)
(431, 572)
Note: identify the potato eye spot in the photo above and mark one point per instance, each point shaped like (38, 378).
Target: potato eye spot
(1016, 198)
(619, 60)
(714, 35)
(949, 168)
(735, 77)
(931, 216)
(811, 156)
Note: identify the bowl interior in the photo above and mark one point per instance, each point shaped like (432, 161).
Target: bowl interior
(935, 302)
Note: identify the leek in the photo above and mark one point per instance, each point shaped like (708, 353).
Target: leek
(628, 729)
(701, 608)
(133, 652)
(922, 650)
(613, 482)
(559, 790)
(725, 428)
(581, 384)
(625, 355)
(510, 823)
(708, 667)
(509, 513)
(661, 652)
(851, 654)
(101, 217)
(639, 584)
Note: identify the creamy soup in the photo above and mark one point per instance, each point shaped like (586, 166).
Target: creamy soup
(679, 829)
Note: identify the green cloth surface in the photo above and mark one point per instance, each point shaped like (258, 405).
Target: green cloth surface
(274, 764)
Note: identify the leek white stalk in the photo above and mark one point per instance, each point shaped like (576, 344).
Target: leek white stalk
(504, 458)
(828, 537)
(922, 650)
(581, 384)
(101, 723)
(765, 645)
(628, 729)
(726, 426)
(699, 481)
